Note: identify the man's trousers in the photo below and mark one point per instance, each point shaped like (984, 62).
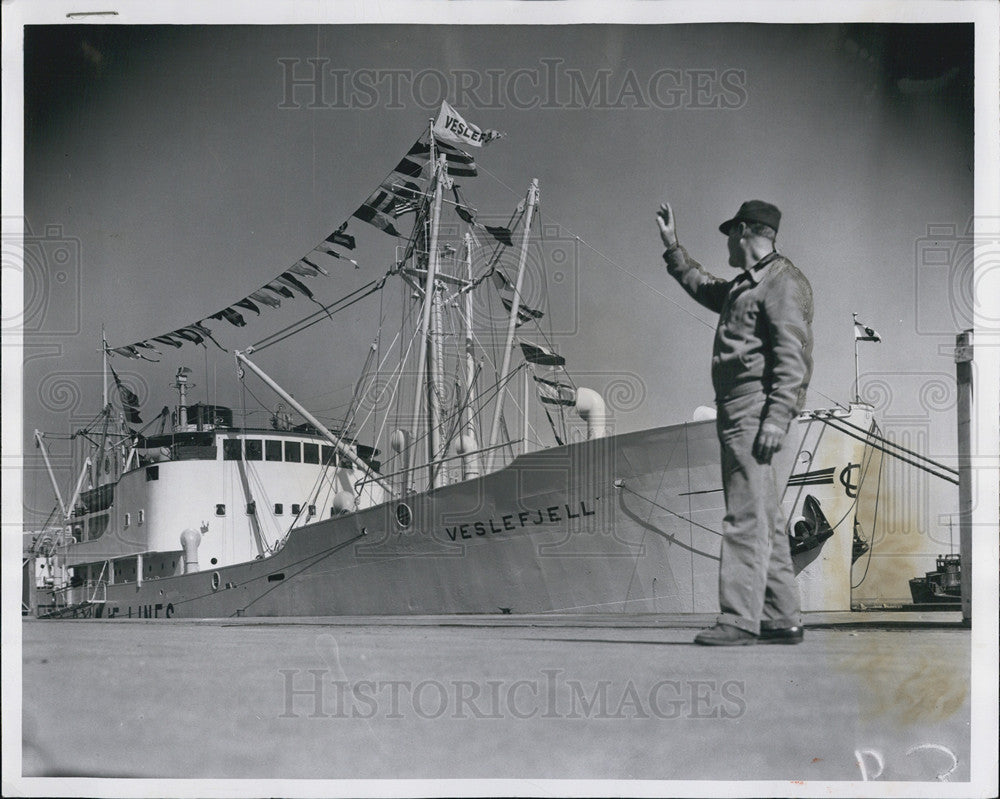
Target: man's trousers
(756, 578)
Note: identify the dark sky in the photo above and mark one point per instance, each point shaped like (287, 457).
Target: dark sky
(161, 159)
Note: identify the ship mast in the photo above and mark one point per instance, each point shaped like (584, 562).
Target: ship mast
(511, 324)
(104, 369)
(467, 442)
(432, 375)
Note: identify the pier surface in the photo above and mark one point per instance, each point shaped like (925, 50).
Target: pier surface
(882, 695)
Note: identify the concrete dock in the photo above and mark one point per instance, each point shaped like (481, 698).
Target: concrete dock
(867, 695)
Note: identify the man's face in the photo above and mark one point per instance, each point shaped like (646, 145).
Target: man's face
(737, 258)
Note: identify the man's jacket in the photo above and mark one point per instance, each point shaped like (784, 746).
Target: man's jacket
(764, 339)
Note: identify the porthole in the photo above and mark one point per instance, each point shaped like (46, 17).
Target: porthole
(216, 581)
(214, 561)
(404, 516)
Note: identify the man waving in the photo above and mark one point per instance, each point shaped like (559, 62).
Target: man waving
(761, 365)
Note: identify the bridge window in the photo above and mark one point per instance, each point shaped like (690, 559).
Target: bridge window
(293, 451)
(220, 509)
(152, 473)
(232, 449)
(272, 450)
(254, 451)
(312, 510)
(278, 508)
(296, 509)
(310, 453)
(329, 454)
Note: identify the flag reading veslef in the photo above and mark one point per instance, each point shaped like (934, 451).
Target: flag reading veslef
(451, 127)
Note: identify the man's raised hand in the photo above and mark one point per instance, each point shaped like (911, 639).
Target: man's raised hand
(668, 229)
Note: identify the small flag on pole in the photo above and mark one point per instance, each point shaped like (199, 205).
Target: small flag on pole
(129, 400)
(552, 392)
(864, 333)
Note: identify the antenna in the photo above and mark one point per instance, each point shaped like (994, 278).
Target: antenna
(182, 385)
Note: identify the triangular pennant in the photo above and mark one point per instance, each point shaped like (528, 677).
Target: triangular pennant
(207, 333)
(231, 316)
(368, 214)
(410, 168)
(553, 392)
(165, 339)
(535, 353)
(129, 400)
(248, 305)
(460, 164)
(282, 291)
(265, 299)
(501, 234)
(311, 265)
(385, 202)
(188, 335)
(298, 268)
(467, 214)
(147, 346)
(340, 237)
(293, 282)
(524, 313)
(325, 248)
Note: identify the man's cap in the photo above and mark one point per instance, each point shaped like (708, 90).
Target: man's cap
(754, 211)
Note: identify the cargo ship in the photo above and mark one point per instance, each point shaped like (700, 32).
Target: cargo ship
(454, 508)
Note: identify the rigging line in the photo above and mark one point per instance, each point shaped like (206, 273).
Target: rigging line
(524, 367)
(871, 545)
(458, 412)
(395, 383)
(256, 399)
(496, 387)
(355, 402)
(457, 424)
(317, 320)
(885, 440)
(87, 427)
(922, 467)
(378, 358)
(481, 346)
(673, 513)
(325, 312)
(861, 481)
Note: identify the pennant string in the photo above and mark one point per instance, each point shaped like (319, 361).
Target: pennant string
(396, 195)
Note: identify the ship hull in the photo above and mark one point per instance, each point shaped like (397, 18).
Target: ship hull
(622, 524)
